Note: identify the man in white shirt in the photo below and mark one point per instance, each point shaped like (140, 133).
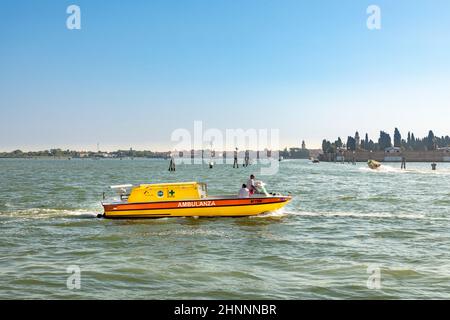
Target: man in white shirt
(251, 184)
(244, 192)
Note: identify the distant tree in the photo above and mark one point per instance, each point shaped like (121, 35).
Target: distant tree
(17, 152)
(367, 145)
(430, 141)
(328, 147)
(366, 142)
(445, 142)
(397, 138)
(412, 143)
(338, 143)
(404, 145)
(351, 143)
(384, 141)
(324, 146)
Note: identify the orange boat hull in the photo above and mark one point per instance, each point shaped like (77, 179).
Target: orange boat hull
(209, 207)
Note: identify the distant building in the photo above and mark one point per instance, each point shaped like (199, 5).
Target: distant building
(297, 153)
(303, 145)
(392, 150)
(340, 154)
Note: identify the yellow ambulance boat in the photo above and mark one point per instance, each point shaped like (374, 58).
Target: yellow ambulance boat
(187, 199)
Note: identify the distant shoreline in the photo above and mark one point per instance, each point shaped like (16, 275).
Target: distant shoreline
(77, 158)
(291, 153)
(394, 155)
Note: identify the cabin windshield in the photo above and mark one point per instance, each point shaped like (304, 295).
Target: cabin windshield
(202, 190)
(261, 188)
(122, 191)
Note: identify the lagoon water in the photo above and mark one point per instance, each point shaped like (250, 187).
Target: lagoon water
(345, 221)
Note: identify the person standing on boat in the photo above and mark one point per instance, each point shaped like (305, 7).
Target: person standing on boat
(244, 192)
(251, 184)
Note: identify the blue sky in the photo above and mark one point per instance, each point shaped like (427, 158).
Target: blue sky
(138, 70)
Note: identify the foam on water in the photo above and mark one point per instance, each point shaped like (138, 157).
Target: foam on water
(390, 169)
(277, 214)
(384, 215)
(187, 232)
(430, 172)
(383, 169)
(43, 213)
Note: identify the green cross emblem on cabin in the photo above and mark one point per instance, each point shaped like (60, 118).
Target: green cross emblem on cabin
(171, 193)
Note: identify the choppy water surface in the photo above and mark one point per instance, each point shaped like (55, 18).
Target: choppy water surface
(344, 218)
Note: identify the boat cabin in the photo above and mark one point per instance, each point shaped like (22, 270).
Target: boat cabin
(161, 192)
